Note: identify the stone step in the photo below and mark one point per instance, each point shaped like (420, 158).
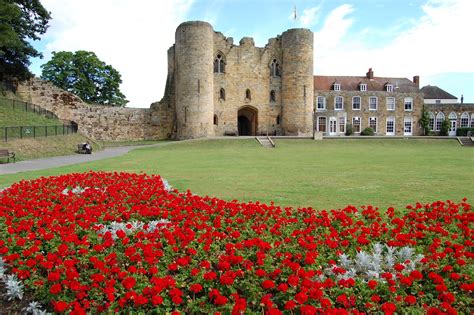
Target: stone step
(265, 142)
(466, 141)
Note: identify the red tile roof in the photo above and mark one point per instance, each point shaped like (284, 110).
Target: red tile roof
(350, 83)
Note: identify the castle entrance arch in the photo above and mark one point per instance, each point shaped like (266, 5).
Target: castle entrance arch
(247, 121)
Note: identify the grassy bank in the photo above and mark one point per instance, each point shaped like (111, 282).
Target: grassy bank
(321, 174)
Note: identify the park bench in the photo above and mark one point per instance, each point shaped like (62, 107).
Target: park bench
(7, 154)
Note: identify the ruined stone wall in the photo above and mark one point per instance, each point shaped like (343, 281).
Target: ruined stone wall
(98, 121)
(365, 113)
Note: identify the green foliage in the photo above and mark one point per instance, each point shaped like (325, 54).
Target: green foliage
(444, 131)
(425, 122)
(349, 129)
(367, 132)
(20, 22)
(85, 75)
(462, 132)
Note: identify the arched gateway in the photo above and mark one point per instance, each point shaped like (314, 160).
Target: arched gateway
(247, 121)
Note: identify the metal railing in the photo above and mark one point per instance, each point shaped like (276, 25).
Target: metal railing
(23, 132)
(27, 107)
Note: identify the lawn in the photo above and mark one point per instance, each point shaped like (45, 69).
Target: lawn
(321, 174)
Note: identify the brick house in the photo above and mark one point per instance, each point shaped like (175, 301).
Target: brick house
(390, 106)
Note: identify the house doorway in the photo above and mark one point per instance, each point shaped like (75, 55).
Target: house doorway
(247, 121)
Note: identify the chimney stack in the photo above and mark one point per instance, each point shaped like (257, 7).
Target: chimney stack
(416, 80)
(462, 99)
(370, 74)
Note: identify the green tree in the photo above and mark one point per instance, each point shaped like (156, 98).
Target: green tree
(20, 22)
(425, 122)
(85, 75)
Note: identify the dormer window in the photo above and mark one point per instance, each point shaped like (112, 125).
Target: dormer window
(275, 68)
(389, 87)
(219, 64)
(363, 87)
(337, 86)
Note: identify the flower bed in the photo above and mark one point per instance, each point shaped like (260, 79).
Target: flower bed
(107, 242)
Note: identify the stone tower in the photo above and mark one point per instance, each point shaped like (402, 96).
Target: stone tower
(297, 82)
(194, 80)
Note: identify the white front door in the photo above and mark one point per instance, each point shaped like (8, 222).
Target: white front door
(407, 126)
(332, 126)
(452, 127)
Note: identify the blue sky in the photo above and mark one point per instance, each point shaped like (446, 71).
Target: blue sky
(401, 38)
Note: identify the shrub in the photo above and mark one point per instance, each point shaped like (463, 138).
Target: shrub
(349, 129)
(444, 128)
(462, 132)
(367, 132)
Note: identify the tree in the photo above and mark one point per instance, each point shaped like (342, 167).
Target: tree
(20, 22)
(425, 122)
(85, 75)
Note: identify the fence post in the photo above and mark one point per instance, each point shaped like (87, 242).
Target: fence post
(6, 134)
(56, 130)
(46, 131)
(21, 132)
(34, 131)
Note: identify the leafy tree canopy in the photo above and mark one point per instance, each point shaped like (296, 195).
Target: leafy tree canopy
(85, 75)
(20, 21)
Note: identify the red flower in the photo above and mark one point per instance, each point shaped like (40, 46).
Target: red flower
(55, 288)
(410, 299)
(129, 283)
(268, 284)
(196, 287)
(372, 284)
(60, 306)
(389, 308)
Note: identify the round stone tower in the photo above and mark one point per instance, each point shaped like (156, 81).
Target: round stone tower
(297, 82)
(194, 49)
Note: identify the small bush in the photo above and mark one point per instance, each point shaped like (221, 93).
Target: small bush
(444, 128)
(367, 132)
(462, 132)
(349, 130)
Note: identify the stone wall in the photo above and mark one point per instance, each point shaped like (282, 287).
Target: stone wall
(99, 121)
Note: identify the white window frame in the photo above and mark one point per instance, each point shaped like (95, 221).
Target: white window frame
(408, 100)
(390, 119)
(472, 120)
(354, 119)
(360, 101)
(389, 87)
(431, 121)
(325, 124)
(464, 120)
(405, 121)
(373, 118)
(363, 87)
(376, 102)
(387, 101)
(342, 123)
(335, 102)
(337, 86)
(323, 103)
(440, 117)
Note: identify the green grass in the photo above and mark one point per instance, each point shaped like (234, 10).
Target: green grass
(322, 174)
(17, 116)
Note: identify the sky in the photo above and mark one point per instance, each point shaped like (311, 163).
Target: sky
(396, 38)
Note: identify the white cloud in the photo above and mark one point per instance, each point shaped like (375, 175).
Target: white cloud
(438, 43)
(309, 16)
(132, 36)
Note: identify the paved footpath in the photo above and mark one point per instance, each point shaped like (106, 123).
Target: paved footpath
(39, 164)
